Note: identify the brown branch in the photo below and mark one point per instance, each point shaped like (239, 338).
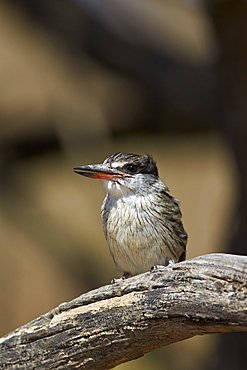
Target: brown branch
(122, 321)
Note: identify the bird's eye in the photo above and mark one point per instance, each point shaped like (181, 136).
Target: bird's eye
(132, 168)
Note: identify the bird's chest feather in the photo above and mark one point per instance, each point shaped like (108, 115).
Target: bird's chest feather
(132, 233)
(127, 220)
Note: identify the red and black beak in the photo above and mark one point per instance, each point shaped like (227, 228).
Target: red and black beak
(100, 171)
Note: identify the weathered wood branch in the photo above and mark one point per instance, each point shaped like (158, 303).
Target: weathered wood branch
(122, 321)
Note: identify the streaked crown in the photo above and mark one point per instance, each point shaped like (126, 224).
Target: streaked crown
(132, 163)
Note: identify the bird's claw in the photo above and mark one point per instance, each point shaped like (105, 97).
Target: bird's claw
(124, 277)
(162, 267)
(157, 268)
(115, 280)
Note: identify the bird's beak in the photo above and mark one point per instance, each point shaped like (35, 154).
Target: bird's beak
(100, 171)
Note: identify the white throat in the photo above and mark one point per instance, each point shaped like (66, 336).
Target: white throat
(116, 190)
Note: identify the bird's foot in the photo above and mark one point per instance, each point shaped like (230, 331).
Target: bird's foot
(170, 263)
(124, 277)
(157, 268)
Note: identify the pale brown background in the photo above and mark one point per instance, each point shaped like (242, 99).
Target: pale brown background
(72, 95)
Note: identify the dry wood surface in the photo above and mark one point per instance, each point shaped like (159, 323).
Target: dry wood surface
(122, 321)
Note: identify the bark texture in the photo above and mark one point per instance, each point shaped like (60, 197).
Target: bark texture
(122, 321)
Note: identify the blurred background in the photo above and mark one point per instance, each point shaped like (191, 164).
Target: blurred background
(82, 79)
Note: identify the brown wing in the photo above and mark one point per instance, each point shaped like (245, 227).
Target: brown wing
(172, 217)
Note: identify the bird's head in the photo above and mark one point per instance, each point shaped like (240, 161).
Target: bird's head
(123, 173)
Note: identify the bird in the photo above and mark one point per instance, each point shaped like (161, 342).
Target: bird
(141, 220)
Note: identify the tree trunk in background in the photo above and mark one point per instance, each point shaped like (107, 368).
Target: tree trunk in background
(231, 23)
